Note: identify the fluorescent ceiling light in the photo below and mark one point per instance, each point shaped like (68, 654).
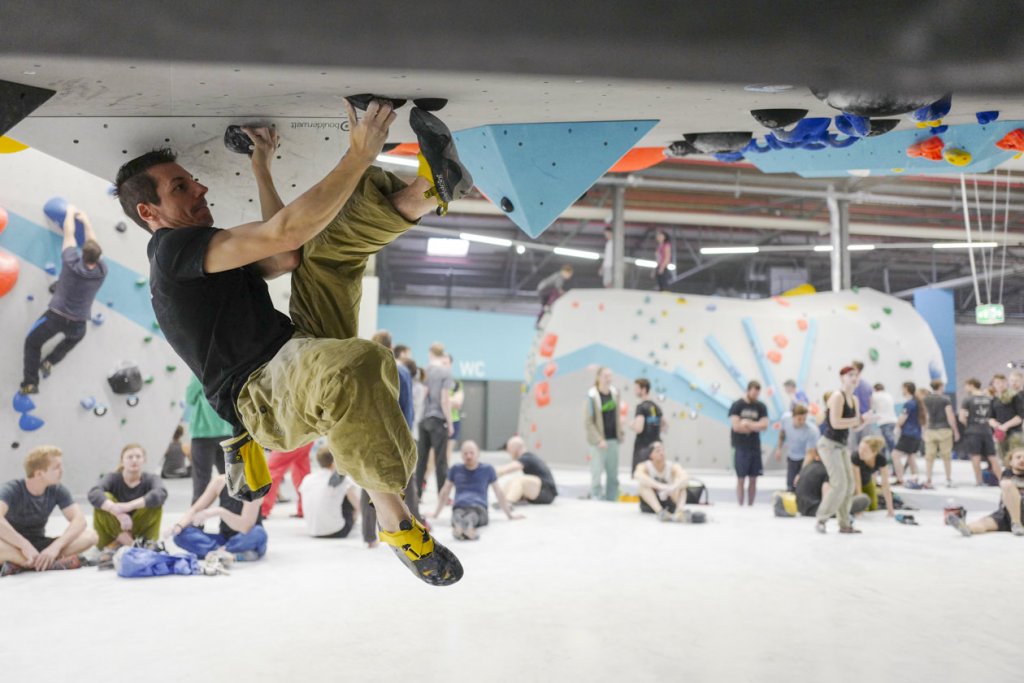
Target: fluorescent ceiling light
(822, 247)
(861, 247)
(729, 250)
(484, 239)
(965, 245)
(577, 253)
(520, 249)
(671, 266)
(444, 246)
(411, 162)
(645, 263)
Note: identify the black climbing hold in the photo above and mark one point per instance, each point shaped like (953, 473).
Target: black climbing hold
(15, 444)
(362, 101)
(881, 126)
(680, 148)
(430, 103)
(718, 143)
(872, 104)
(99, 411)
(121, 227)
(53, 287)
(132, 401)
(237, 141)
(777, 118)
(18, 101)
(506, 205)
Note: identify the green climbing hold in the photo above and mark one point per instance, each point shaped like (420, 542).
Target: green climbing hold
(149, 380)
(887, 310)
(875, 325)
(855, 289)
(148, 338)
(170, 368)
(140, 282)
(873, 355)
(156, 325)
(124, 420)
(906, 364)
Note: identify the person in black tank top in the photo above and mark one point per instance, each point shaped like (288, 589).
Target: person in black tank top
(843, 414)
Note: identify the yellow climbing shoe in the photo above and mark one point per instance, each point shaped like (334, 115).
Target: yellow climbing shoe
(245, 464)
(425, 557)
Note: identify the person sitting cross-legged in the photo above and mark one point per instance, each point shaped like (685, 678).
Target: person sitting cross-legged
(332, 500)
(470, 481)
(536, 486)
(663, 487)
(25, 506)
(241, 533)
(1011, 503)
(128, 503)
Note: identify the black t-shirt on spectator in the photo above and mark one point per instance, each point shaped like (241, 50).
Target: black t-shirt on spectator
(866, 471)
(537, 467)
(609, 413)
(223, 325)
(808, 489)
(652, 415)
(750, 411)
(979, 410)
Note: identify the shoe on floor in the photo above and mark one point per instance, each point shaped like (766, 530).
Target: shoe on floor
(691, 516)
(664, 515)
(10, 569)
(820, 527)
(45, 368)
(440, 163)
(73, 562)
(28, 388)
(958, 523)
(422, 554)
(849, 530)
(1017, 529)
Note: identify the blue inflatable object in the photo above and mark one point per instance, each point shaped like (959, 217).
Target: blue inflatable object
(22, 403)
(50, 268)
(813, 129)
(987, 116)
(137, 563)
(56, 209)
(729, 157)
(88, 402)
(934, 111)
(853, 125)
(836, 141)
(30, 423)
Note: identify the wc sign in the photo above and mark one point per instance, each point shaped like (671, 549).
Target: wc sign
(472, 369)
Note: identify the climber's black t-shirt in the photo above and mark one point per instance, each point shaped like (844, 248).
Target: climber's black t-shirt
(223, 325)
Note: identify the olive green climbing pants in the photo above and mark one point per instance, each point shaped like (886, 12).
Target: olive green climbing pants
(325, 381)
(145, 524)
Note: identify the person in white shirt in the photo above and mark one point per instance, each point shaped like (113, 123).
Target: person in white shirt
(883, 407)
(607, 263)
(663, 487)
(330, 500)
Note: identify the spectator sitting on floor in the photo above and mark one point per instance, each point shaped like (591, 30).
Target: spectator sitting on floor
(331, 499)
(867, 461)
(812, 485)
(176, 457)
(128, 502)
(25, 506)
(1011, 503)
(663, 487)
(470, 481)
(797, 439)
(241, 531)
(536, 486)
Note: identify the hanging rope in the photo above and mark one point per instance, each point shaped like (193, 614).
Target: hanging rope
(981, 234)
(1006, 225)
(967, 227)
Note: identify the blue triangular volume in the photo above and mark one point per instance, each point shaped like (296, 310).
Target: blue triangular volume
(535, 171)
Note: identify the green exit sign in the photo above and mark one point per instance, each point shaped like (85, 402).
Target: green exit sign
(989, 314)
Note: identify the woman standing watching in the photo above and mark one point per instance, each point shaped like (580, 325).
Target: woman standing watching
(128, 502)
(842, 415)
(909, 442)
(604, 432)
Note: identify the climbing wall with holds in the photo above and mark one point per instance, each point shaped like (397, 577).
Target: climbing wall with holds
(700, 352)
(76, 409)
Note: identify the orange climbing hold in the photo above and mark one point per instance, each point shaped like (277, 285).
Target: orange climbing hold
(774, 356)
(624, 409)
(575, 304)
(927, 149)
(780, 301)
(781, 341)
(814, 409)
(801, 325)
(600, 307)
(542, 394)
(550, 368)
(533, 427)
(1012, 141)
(547, 345)
(536, 445)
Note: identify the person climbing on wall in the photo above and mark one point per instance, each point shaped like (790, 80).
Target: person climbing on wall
(663, 258)
(81, 275)
(282, 382)
(550, 289)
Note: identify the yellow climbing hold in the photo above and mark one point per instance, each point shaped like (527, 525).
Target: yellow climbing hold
(957, 157)
(10, 145)
(898, 170)
(680, 300)
(664, 314)
(852, 307)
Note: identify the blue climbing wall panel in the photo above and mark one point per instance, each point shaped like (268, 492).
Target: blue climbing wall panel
(887, 154)
(543, 168)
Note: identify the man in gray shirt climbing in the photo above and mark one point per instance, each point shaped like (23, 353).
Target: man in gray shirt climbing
(81, 276)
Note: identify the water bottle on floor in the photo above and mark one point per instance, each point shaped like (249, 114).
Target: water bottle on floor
(906, 519)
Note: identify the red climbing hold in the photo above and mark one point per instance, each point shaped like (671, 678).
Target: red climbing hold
(802, 325)
(781, 341)
(542, 394)
(9, 268)
(533, 427)
(774, 356)
(550, 368)
(927, 149)
(3, 219)
(780, 301)
(547, 345)
(1012, 141)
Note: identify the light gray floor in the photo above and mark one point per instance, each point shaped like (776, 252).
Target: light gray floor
(579, 591)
